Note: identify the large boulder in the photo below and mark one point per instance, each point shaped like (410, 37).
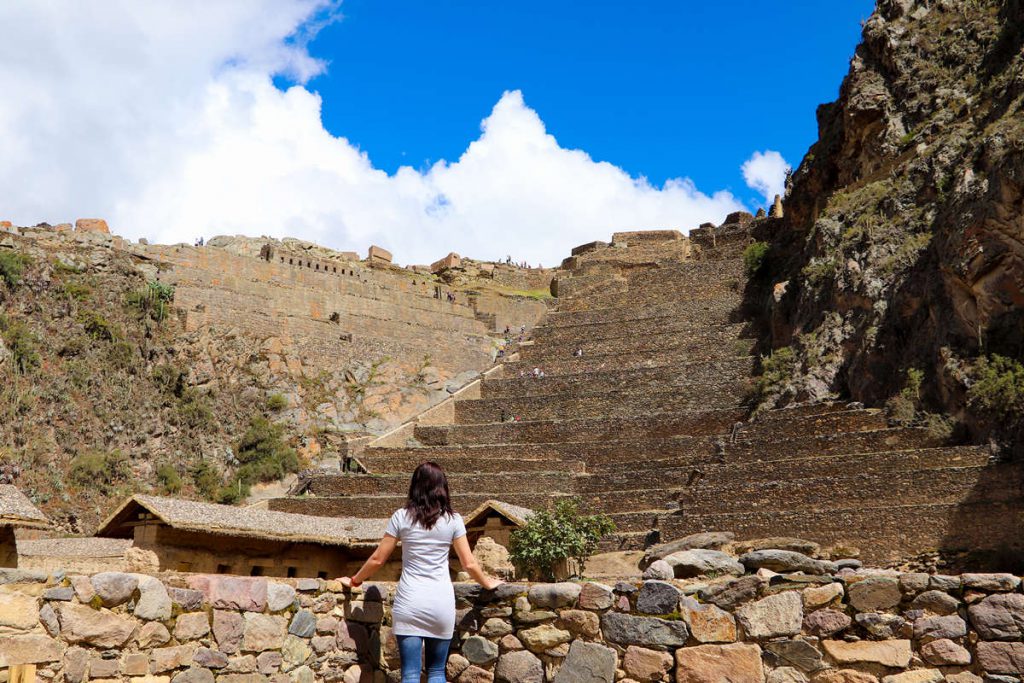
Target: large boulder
(786, 561)
(657, 597)
(708, 540)
(999, 617)
(777, 615)
(701, 562)
(101, 628)
(519, 667)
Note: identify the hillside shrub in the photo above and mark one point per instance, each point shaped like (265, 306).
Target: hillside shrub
(753, 257)
(170, 379)
(168, 477)
(554, 536)
(776, 371)
(276, 403)
(12, 267)
(98, 327)
(206, 478)
(102, 470)
(76, 290)
(194, 410)
(263, 454)
(998, 387)
(153, 300)
(23, 345)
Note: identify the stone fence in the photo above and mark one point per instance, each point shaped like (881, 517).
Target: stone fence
(831, 624)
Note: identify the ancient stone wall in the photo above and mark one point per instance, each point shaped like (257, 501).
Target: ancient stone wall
(824, 625)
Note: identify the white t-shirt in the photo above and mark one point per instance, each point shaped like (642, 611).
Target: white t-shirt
(425, 601)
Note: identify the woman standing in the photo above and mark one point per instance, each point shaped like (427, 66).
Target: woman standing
(423, 612)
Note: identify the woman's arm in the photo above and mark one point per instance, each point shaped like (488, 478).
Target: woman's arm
(373, 563)
(471, 566)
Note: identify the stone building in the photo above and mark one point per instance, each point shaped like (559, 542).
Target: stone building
(496, 520)
(191, 536)
(16, 510)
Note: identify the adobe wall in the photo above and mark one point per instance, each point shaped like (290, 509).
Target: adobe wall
(843, 626)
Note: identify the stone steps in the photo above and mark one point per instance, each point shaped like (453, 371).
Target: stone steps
(726, 373)
(610, 403)
(694, 323)
(509, 481)
(692, 480)
(765, 448)
(713, 342)
(627, 361)
(407, 460)
(883, 534)
(381, 507)
(724, 307)
(695, 424)
(817, 495)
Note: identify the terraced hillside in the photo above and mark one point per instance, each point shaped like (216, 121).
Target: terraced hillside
(651, 426)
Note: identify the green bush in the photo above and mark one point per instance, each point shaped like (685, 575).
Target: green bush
(122, 355)
(102, 470)
(263, 454)
(194, 410)
(76, 290)
(776, 370)
(554, 536)
(753, 257)
(12, 267)
(276, 403)
(170, 380)
(207, 479)
(98, 327)
(998, 387)
(153, 300)
(23, 346)
(169, 478)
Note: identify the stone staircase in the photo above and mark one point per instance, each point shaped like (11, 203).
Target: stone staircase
(650, 425)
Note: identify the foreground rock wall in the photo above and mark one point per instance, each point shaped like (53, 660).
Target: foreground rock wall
(852, 626)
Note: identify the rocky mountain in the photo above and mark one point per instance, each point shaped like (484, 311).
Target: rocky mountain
(202, 371)
(897, 273)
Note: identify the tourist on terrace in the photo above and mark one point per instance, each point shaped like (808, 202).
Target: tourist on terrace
(423, 612)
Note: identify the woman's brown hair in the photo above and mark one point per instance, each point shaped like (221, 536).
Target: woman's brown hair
(428, 495)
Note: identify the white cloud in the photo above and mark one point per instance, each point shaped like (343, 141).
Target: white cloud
(163, 118)
(765, 172)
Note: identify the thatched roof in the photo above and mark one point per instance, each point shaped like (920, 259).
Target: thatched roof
(513, 513)
(17, 510)
(227, 520)
(74, 547)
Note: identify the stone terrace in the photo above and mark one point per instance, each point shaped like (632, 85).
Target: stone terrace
(650, 425)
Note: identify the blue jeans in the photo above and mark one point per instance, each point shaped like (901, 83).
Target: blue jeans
(410, 649)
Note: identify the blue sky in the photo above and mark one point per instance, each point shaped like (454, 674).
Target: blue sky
(660, 89)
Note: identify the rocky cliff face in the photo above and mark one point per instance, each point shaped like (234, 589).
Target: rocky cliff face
(899, 266)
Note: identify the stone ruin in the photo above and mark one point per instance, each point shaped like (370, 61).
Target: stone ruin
(647, 364)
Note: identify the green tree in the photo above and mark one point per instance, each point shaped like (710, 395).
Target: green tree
(753, 257)
(22, 344)
(554, 536)
(263, 454)
(998, 387)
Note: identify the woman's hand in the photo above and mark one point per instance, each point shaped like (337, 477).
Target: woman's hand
(491, 583)
(349, 583)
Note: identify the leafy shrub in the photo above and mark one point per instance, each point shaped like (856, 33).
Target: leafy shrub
(76, 290)
(276, 403)
(23, 346)
(99, 469)
(153, 300)
(169, 478)
(753, 257)
(554, 536)
(998, 387)
(194, 410)
(98, 327)
(207, 479)
(12, 267)
(776, 371)
(903, 407)
(122, 355)
(263, 454)
(170, 379)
